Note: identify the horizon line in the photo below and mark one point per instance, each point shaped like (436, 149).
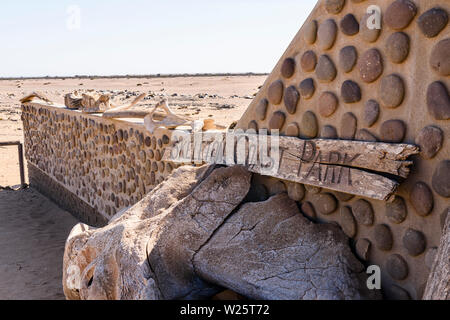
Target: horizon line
(138, 76)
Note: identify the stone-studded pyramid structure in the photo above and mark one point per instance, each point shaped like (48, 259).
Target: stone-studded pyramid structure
(342, 79)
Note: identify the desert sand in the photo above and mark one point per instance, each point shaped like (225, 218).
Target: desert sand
(33, 229)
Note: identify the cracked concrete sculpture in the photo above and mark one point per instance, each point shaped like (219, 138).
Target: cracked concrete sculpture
(189, 238)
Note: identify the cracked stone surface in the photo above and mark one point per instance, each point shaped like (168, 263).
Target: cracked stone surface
(190, 238)
(268, 250)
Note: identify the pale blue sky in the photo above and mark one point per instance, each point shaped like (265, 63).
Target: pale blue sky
(146, 37)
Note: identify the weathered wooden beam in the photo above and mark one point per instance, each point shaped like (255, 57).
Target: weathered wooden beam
(344, 166)
(380, 157)
(21, 166)
(333, 177)
(9, 143)
(20, 155)
(139, 114)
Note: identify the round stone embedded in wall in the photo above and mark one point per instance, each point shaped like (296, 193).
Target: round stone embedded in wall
(371, 112)
(365, 135)
(308, 61)
(350, 92)
(393, 131)
(334, 6)
(363, 212)
(399, 293)
(309, 126)
(430, 140)
(347, 222)
(396, 210)
(397, 47)
(349, 25)
(328, 132)
(370, 65)
(275, 92)
(348, 126)
(288, 68)
(296, 191)
(438, 101)
(308, 210)
(120, 135)
(277, 121)
(253, 125)
(347, 58)
(292, 130)
(327, 34)
(421, 198)
(343, 196)
(441, 179)
(325, 70)
(397, 267)
(383, 237)
(432, 22)
(277, 188)
(363, 248)
(261, 109)
(325, 203)
(439, 57)
(328, 103)
(392, 91)
(291, 99)
(307, 88)
(369, 34)
(310, 32)
(158, 155)
(148, 141)
(400, 14)
(414, 241)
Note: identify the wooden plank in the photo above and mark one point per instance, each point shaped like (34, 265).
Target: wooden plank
(380, 157)
(9, 143)
(21, 166)
(140, 114)
(333, 177)
(343, 166)
(20, 153)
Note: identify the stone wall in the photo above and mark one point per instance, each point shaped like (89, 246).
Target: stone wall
(340, 80)
(92, 166)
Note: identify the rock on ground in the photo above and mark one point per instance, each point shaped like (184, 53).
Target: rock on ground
(268, 250)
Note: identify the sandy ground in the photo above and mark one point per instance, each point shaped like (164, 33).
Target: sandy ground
(33, 229)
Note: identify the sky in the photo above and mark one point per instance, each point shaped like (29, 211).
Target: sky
(120, 37)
